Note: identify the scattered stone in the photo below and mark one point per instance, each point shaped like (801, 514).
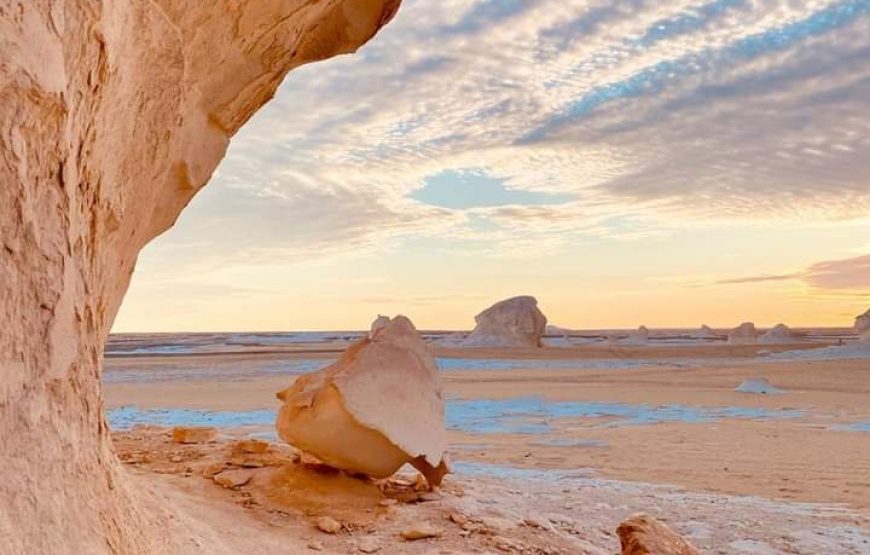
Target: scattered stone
(193, 434)
(368, 545)
(233, 478)
(387, 502)
(212, 469)
(642, 534)
(458, 518)
(253, 446)
(315, 545)
(328, 525)
(420, 531)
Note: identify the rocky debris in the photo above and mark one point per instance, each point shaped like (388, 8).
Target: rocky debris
(780, 333)
(514, 322)
(315, 545)
(327, 525)
(862, 322)
(193, 434)
(420, 531)
(641, 534)
(743, 334)
(232, 478)
(376, 408)
(368, 545)
(250, 446)
(211, 470)
(759, 386)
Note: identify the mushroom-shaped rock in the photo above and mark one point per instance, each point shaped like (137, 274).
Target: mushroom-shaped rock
(862, 322)
(642, 534)
(514, 322)
(743, 334)
(376, 408)
(780, 333)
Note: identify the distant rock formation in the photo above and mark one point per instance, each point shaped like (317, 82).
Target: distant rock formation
(706, 332)
(862, 322)
(864, 337)
(640, 336)
(514, 322)
(642, 534)
(376, 408)
(743, 334)
(780, 333)
(113, 115)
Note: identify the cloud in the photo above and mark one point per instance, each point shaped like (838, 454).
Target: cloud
(639, 115)
(847, 273)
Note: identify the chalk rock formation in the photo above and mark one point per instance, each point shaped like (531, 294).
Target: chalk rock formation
(745, 333)
(862, 322)
(640, 336)
(376, 408)
(113, 115)
(865, 337)
(780, 333)
(514, 322)
(642, 534)
(706, 332)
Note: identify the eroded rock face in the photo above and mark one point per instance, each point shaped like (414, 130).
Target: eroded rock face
(112, 116)
(642, 534)
(376, 408)
(780, 333)
(514, 322)
(862, 322)
(745, 333)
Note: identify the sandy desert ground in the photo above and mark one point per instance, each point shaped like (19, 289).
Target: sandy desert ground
(552, 447)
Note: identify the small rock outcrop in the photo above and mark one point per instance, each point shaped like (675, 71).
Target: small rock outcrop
(376, 408)
(642, 534)
(862, 322)
(640, 336)
(743, 334)
(758, 386)
(706, 332)
(780, 333)
(514, 322)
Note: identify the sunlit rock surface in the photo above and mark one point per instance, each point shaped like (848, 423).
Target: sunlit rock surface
(113, 114)
(376, 408)
(644, 535)
(745, 333)
(514, 322)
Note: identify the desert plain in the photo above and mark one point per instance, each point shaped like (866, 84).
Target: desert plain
(551, 447)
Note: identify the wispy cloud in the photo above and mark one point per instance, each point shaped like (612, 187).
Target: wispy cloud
(847, 273)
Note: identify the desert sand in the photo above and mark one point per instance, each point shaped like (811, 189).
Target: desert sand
(592, 433)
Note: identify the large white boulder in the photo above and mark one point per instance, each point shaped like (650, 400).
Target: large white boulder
(376, 408)
(514, 322)
(743, 334)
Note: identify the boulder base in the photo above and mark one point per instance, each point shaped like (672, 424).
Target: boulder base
(642, 534)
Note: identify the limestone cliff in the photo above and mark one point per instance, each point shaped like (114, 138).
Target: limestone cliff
(112, 116)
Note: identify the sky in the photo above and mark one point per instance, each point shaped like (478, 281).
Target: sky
(627, 162)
